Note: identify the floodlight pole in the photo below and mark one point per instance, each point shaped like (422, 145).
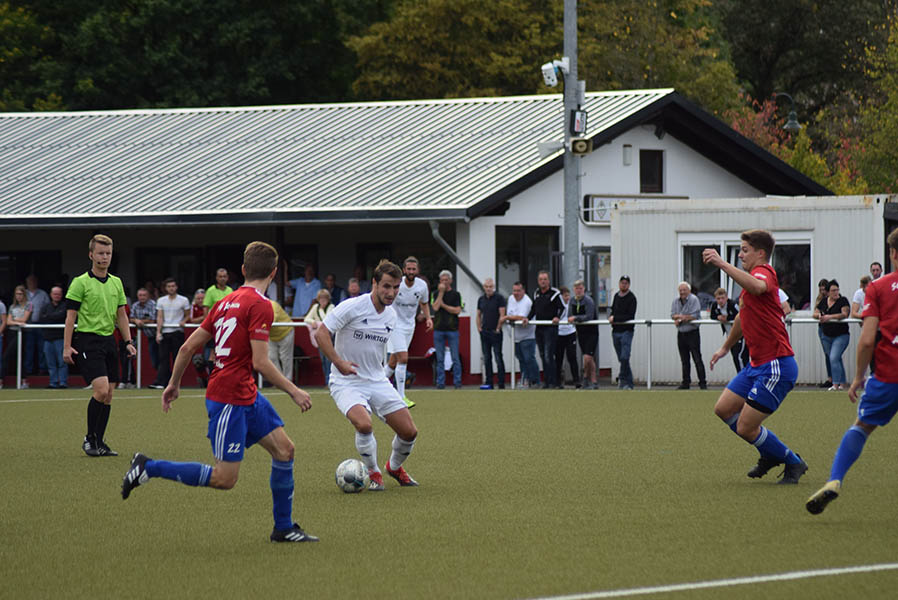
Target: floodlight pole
(571, 267)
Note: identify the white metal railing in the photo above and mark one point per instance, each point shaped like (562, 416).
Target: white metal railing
(648, 323)
(138, 340)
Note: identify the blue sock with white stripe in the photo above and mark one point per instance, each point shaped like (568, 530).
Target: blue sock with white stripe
(769, 445)
(282, 493)
(195, 474)
(849, 450)
(731, 422)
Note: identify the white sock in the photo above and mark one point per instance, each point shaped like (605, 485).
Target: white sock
(401, 450)
(366, 444)
(400, 379)
(388, 371)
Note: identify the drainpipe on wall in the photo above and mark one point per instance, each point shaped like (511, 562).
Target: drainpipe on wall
(435, 231)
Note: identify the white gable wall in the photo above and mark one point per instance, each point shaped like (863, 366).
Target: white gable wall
(686, 173)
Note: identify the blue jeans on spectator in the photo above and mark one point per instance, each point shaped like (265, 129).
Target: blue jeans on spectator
(525, 351)
(152, 347)
(59, 370)
(34, 344)
(623, 341)
(834, 347)
(546, 339)
(491, 344)
(325, 367)
(829, 368)
(439, 343)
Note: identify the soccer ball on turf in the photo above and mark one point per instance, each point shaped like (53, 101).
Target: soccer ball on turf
(352, 476)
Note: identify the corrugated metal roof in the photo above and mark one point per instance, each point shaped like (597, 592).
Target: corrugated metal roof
(410, 158)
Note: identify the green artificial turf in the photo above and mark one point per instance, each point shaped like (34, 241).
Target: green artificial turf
(523, 494)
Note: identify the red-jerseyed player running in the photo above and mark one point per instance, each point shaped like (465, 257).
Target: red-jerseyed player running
(239, 416)
(879, 398)
(759, 389)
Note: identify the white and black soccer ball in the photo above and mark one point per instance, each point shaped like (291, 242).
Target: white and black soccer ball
(352, 476)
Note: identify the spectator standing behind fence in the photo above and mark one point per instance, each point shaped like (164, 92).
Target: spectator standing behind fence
(336, 292)
(172, 312)
(566, 344)
(313, 319)
(547, 306)
(822, 293)
(281, 342)
(490, 312)
(623, 308)
(829, 312)
(2, 332)
(353, 290)
(54, 313)
(725, 311)
(875, 270)
(305, 289)
(857, 301)
(19, 314)
(143, 313)
(582, 308)
(517, 309)
(33, 338)
(198, 312)
(684, 310)
(447, 305)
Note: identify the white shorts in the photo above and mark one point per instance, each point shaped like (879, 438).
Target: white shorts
(400, 340)
(379, 398)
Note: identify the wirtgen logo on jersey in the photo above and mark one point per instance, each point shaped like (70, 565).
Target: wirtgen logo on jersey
(358, 335)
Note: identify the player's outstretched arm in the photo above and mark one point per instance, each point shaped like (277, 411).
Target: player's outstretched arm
(326, 345)
(746, 281)
(865, 346)
(269, 371)
(734, 336)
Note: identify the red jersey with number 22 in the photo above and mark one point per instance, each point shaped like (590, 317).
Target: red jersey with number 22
(763, 324)
(881, 301)
(239, 317)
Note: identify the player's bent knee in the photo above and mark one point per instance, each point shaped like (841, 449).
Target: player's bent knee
(285, 452)
(222, 480)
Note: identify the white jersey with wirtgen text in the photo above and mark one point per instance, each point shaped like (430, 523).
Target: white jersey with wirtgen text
(361, 337)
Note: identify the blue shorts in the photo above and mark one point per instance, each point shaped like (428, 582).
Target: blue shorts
(765, 387)
(234, 428)
(878, 403)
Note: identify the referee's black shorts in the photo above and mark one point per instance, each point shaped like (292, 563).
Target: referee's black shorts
(96, 356)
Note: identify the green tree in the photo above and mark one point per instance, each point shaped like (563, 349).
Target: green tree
(878, 157)
(464, 48)
(811, 49)
(23, 60)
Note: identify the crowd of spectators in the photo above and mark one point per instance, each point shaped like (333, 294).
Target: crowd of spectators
(163, 319)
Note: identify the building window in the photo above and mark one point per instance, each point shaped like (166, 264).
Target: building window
(791, 260)
(521, 253)
(651, 171)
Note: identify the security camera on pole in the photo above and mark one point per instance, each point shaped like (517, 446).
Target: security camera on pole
(575, 143)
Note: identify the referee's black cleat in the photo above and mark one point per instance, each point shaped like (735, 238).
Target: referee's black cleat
(294, 534)
(792, 473)
(104, 450)
(89, 445)
(136, 475)
(764, 465)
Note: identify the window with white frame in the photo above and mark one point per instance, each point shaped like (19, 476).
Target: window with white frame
(791, 260)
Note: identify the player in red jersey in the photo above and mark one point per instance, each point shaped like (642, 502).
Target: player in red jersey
(877, 348)
(759, 389)
(239, 416)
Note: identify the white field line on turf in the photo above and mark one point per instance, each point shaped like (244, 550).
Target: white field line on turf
(152, 397)
(679, 587)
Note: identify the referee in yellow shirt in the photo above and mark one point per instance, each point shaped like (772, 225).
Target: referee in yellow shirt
(97, 300)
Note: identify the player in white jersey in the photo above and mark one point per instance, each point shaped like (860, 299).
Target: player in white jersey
(358, 383)
(411, 294)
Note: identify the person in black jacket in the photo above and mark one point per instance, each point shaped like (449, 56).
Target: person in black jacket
(547, 306)
(582, 308)
(54, 312)
(623, 308)
(725, 310)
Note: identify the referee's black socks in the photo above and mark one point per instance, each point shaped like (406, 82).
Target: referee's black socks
(97, 418)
